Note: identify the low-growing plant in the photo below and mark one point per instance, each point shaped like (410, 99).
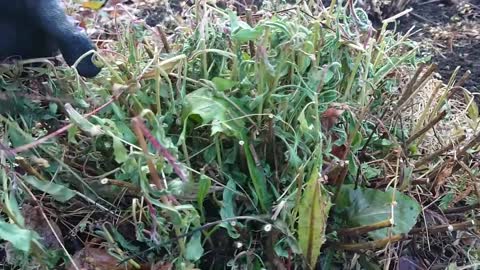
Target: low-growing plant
(241, 142)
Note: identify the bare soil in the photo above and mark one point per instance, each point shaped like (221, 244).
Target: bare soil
(451, 34)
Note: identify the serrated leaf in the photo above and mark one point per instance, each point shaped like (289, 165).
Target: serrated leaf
(365, 206)
(313, 214)
(71, 133)
(20, 238)
(58, 192)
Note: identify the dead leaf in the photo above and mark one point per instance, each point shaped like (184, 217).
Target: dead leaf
(462, 195)
(34, 220)
(340, 151)
(442, 176)
(90, 258)
(331, 115)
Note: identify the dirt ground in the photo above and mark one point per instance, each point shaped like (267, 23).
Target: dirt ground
(451, 34)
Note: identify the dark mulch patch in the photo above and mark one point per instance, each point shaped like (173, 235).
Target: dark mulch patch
(444, 26)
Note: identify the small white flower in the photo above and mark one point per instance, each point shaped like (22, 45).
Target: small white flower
(238, 245)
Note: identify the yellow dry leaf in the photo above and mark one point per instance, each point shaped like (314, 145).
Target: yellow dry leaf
(95, 5)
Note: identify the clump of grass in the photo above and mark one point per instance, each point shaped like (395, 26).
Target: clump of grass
(244, 142)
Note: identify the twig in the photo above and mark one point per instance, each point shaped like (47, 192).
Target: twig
(446, 227)
(371, 245)
(461, 153)
(439, 152)
(340, 179)
(473, 177)
(423, 18)
(163, 37)
(357, 231)
(251, 46)
(123, 184)
(461, 209)
(155, 178)
(378, 244)
(464, 78)
(432, 123)
(138, 123)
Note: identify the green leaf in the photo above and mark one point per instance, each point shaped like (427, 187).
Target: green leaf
(313, 214)
(82, 122)
(71, 133)
(370, 172)
(357, 141)
(383, 143)
(20, 238)
(228, 208)
(446, 200)
(241, 31)
(222, 84)
(119, 150)
(202, 106)
(406, 174)
(258, 180)
(124, 242)
(11, 207)
(58, 192)
(472, 111)
(365, 206)
(203, 187)
(17, 138)
(194, 250)
(53, 107)
(304, 127)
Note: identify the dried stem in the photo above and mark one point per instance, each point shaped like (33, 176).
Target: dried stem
(155, 178)
(461, 209)
(445, 227)
(371, 245)
(163, 37)
(357, 231)
(426, 128)
(437, 153)
(476, 140)
(378, 244)
(464, 78)
(251, 46)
